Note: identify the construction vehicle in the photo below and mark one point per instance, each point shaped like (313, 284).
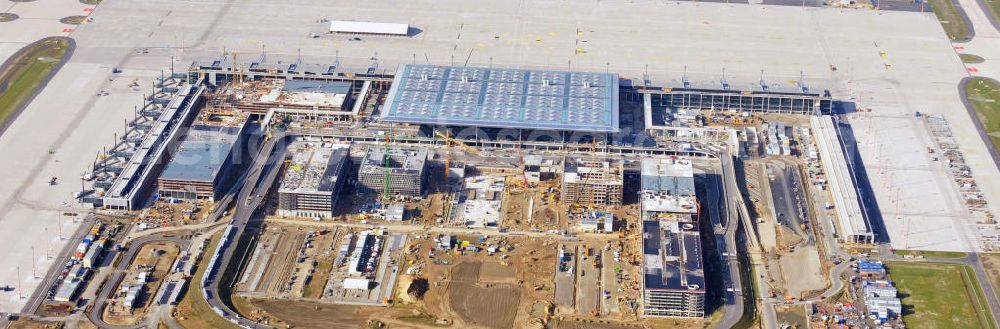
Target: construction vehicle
(54, 180)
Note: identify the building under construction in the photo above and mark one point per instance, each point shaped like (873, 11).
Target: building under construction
(306, 95)
(592, 182)
(403, 170)
(313, 180)
(673, 274)
(667, 185)
(287, 91)
(203, 164)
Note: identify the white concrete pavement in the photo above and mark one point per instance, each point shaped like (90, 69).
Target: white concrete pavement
(702, 39)
(61, 132)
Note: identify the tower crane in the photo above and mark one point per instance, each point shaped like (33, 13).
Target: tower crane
(385, 189)
(450, 142)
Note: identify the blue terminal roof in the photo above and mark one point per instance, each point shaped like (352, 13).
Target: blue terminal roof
(202, 153)
(503, 98)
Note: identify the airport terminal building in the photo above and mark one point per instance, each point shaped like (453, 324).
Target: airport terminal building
(505, 104)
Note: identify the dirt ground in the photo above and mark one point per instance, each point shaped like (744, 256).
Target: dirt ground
(594, 325)
(251, 310)
(477, 290)
(302, 314)
(794, 266)
(51, 308)
(792, 316)
(802, 271)
(547, 213)
(513, 288)
(163, 213)
(431, 210)
(493, 272)
(786, 237)
(492, 305)
(33, 324)
(278, 248)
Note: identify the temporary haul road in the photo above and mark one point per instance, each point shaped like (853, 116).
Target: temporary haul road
(733, 204)
(267, 161)
(707, 32)
(110, 286)
(142, 37)
(250, 196)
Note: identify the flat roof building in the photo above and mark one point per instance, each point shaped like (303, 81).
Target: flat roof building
(503, 98)
(667, 186)
(853, 224)
(313, 180)
(673, 275)
(403, 169)
(673, 279)
(369, 28)
(395, 212)
(134, 184)
(67, 290)
(481, 200)
(592, 182)
(306, 95)
(596, 221)
(201, 166)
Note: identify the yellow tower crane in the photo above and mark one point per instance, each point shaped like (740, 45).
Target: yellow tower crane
(450, 142)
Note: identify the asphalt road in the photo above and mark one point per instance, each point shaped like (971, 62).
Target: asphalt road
(784, 192)
(250, 196)
(733, 309)
(972, 113)
(41, 293)
(41, 84)
(111, 285)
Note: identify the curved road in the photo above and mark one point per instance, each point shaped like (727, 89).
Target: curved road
(250, 196)
(734, 298)
(111, 284)
(254, 190)
(979, 124)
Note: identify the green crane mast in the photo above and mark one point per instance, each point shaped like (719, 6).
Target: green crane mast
(385, 189)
